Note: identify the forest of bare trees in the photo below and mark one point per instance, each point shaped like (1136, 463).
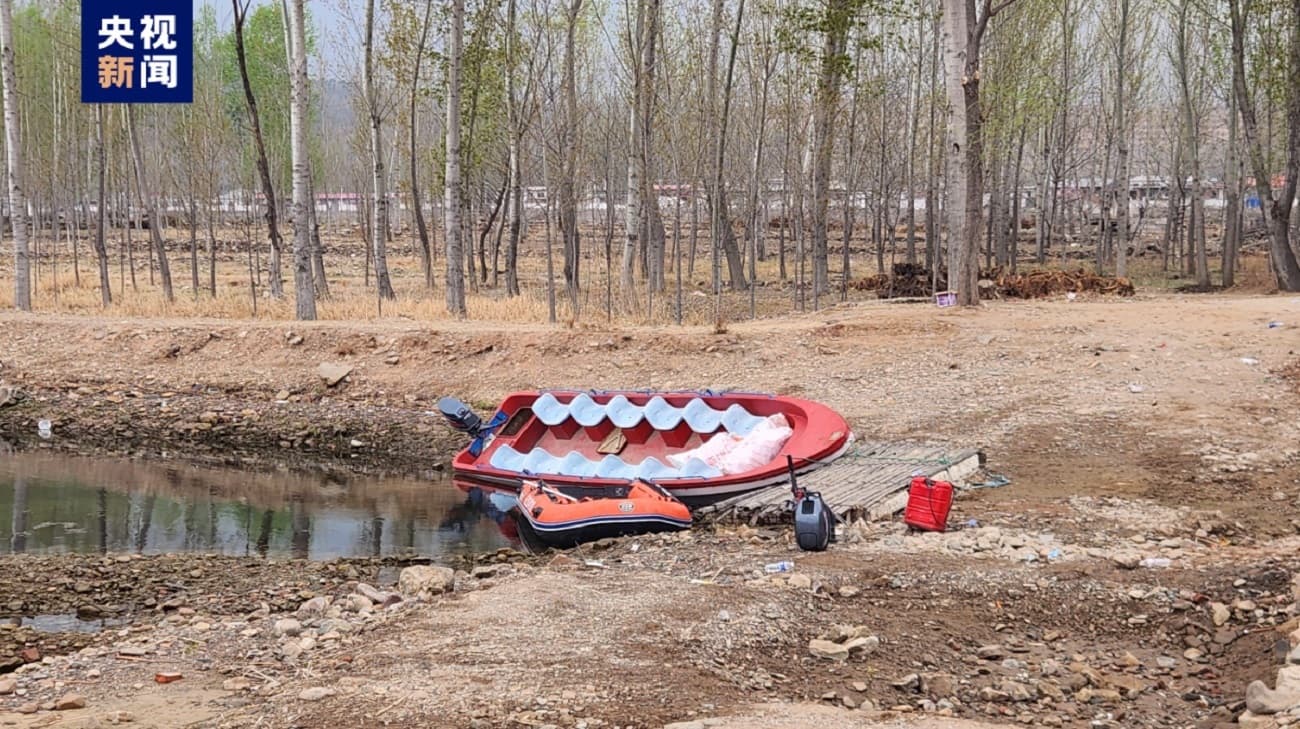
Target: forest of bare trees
(661, 143)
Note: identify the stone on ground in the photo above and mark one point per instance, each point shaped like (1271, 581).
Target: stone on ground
(422, 580)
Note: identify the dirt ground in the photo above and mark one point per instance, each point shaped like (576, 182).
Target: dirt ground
(1158, 426)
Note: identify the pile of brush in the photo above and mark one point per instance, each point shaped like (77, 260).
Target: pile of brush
(913, 280)
(905, 280)
(1040, 284)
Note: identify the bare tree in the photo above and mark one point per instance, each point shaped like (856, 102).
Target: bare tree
(379, 177)
(14, 165)
(101, 252)
(150, 202)
(838, 19)
(315, 254)
(1122, 137)
(304, 288)
(724, 239)
(1278, 208)
(517, 123)
(964, 30)
(263, 165)
(1191, 142)
(639, 203)
(451, 198)
(1232, 194)
(569, 165)
(721, 215)
(417, 202)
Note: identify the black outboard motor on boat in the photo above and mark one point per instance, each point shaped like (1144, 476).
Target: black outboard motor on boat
(460, 416)
(814, 523)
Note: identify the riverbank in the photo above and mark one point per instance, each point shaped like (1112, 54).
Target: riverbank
(1157, 428)
(655, 630)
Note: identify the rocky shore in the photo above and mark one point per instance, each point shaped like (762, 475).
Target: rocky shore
(1138, 571)
(877, 630)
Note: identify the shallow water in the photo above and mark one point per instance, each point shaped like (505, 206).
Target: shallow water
(53, 503)
(64, 623)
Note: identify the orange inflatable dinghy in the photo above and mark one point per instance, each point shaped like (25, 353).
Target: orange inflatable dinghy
(582, 514)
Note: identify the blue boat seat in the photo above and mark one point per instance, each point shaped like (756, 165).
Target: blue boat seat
(623, 413)
(661, 415)
(738, 421)
(549, 410)
(539, 462)
(586, 411)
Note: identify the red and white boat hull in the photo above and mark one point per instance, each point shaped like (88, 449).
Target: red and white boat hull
(573, 438)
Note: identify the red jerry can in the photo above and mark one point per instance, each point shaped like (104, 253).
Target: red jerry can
(928, 503)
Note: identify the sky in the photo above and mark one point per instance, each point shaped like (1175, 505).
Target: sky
(326, 16)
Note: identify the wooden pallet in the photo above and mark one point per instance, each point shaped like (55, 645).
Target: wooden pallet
(868, 482)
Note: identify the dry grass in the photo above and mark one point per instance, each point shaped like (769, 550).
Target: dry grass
(352, 299)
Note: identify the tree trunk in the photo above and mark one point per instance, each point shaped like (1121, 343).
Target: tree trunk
(514, 141)
(151, 204)
(379, 178)
(212, 252)
(1175, 206)
(825, 101)
(934, 160)
(719, 208)
(914, 123)
(569, 165)
(609, 230)
(263, 165)
(956, 23)
(965, 32)
(101, 250)
(516, 216)
(652, 225)
(194, 242)
(636, 161)
(1285, 267)
(501, 231)
(317, 250)
(1191, 128)
(1121, 145)
(304, 289)
(1013, 254)
(1232, 209)
(417, 203)
(722, 215)
(550, 254)
(487, 229)
(452, 190)
(757, 224)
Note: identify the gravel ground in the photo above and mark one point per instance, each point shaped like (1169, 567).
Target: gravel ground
(1159, 428)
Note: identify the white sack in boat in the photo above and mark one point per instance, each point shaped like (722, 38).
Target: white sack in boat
(730, 453)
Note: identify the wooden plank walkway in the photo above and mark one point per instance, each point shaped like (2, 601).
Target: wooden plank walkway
(868, 482)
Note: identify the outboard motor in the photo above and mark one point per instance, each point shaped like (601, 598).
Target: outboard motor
(460, 416)
(814, 523)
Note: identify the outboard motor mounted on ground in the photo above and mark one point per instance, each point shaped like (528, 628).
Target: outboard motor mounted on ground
(460, 416)
(814, 523)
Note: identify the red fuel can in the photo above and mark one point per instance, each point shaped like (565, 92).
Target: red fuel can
(928, 503)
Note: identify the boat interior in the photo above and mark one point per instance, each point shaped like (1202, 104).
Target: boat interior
(617, 438)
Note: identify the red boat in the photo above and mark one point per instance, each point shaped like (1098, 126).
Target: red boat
(699, 446)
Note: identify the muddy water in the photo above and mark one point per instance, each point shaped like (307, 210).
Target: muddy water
(55, 503)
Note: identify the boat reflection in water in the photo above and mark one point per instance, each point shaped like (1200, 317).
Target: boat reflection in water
(54, 503)
(501, 507)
